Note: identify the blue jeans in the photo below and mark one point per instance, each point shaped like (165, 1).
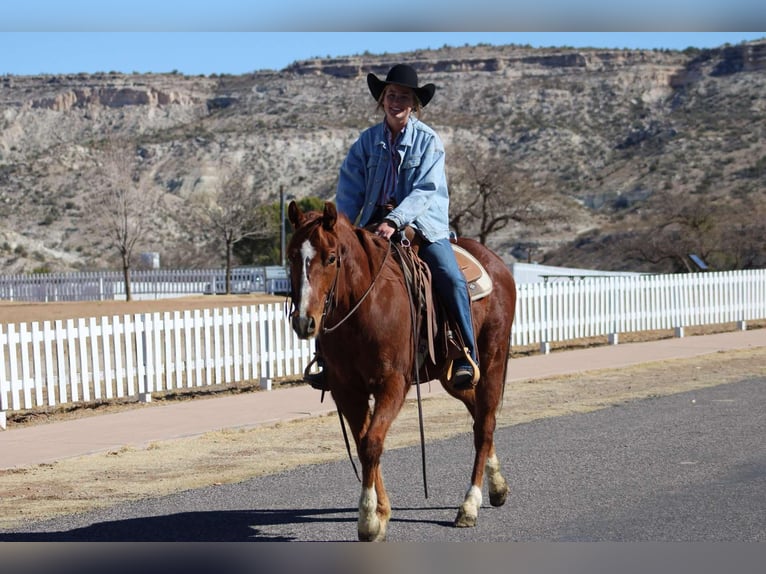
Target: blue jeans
(450, 286)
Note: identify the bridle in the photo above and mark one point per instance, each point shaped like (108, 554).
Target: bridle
(332, 292)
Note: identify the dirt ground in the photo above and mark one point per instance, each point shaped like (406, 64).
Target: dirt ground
(19, 312)
(99, 480)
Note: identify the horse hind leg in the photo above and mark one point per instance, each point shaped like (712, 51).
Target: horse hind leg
(468, 513)
(496, 483)
(483, 405)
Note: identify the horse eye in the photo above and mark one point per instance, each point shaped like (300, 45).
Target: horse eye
(331, 259)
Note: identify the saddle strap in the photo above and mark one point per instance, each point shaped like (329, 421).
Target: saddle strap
(417, 276)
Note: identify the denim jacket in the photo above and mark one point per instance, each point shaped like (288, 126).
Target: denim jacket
(421, 198)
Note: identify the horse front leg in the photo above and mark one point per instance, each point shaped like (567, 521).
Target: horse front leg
(374, 504)
(356, 411)
(374, 512)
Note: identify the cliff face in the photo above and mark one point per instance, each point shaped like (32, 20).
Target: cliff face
(603, 129)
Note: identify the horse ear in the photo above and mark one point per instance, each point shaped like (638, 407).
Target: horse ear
(295, 215)
(330, 216)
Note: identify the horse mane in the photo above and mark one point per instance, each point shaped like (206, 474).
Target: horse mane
(372, 245)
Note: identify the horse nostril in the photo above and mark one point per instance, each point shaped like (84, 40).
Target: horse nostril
(304, 327)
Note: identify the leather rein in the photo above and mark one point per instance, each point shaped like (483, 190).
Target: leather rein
(331, 294)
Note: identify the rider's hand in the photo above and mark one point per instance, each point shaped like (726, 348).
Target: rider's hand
(385, 230)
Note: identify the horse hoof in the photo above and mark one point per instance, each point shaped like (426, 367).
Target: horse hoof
(367, 537)
(498, 498)
(376, 534)
(463, 520)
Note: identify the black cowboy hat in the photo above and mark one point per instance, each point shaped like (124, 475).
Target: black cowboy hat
(401, 75)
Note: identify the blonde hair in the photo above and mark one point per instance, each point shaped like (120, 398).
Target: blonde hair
(417, 107)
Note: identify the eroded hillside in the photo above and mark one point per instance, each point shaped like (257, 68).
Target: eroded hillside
(608, 134)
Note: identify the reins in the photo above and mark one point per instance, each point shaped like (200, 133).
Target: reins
(325, 329)
(331, 294)
(401, 250)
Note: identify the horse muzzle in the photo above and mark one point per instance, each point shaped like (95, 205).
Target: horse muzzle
(304, 326)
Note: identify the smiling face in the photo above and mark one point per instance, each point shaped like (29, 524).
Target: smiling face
(398, 103)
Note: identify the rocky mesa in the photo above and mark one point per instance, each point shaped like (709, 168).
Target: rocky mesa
(611, 135)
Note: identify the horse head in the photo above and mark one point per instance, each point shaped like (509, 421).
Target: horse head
(314, 256)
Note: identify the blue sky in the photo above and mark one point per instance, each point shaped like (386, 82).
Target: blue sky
(194, 53)
(357, 15)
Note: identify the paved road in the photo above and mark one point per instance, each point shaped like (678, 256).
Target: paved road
(687, 467)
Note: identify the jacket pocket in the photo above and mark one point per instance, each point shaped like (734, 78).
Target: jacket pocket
(411, 162)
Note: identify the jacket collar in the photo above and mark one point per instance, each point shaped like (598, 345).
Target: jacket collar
(406, 137)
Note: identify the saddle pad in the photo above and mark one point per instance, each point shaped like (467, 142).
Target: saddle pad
(479, 281)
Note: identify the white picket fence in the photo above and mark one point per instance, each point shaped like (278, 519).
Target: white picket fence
(581, 307)
(144, 284)
(94, 359)
(133, 356)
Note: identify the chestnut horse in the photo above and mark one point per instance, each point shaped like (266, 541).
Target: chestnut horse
(347, 291)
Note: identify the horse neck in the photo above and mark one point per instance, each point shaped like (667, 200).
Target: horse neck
(361, 264)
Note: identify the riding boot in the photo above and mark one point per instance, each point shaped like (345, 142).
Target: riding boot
(464, 372)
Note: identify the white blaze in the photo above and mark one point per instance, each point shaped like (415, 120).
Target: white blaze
(307, 254)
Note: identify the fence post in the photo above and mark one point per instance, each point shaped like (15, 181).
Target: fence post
(5, 385)
(545, 344)
(742, 303)
(145, 386)
(677, 308)
(266, 377)
(614, 337)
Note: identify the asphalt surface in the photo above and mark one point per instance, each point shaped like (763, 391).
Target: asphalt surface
(682, 468)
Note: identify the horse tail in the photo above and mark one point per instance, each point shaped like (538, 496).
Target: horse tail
(505, 380)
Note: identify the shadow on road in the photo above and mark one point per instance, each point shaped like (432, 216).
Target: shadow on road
(215, 526)
(218, 526)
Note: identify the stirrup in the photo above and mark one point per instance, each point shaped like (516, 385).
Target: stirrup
(462, 378)
(316, 380)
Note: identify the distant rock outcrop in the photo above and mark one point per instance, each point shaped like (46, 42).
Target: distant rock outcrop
(606, 130)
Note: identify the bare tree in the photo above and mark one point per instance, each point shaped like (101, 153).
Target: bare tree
(125, 200)
(723, 234)
(230, 210)
(487, 194)
(744, 243)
